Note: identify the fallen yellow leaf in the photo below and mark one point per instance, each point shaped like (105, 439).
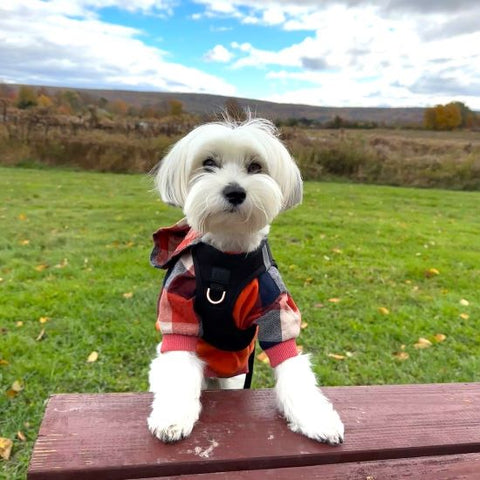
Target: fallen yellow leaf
(336, 356)
(464, 302)
(431, 272)
(22, 217)
(422, 343)
(15, 389)
(19, 323)
(334, 300)
(383, 310)
(41, 267)
(304, 325)
(5, 448)
(62, 264)
(93, 357)
(299, 349)
(337, 250)
(41, 335)
(464, 316)
(440, 337)
(25, 242)
(43, 319)
(21, 436)
(3, 362)
(402, 356)
(128, 295)
(17, 386)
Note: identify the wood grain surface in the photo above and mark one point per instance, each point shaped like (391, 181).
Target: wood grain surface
(104, 436)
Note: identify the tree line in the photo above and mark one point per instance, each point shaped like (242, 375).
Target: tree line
(98, 110)
(73, 102)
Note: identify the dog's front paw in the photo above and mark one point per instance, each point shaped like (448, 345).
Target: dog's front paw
(173, 424)
(321, 423)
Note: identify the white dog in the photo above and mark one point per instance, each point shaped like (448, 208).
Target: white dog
(231, 180)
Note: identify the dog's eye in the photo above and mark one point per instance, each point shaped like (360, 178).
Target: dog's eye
(209, 164)
(254, 167)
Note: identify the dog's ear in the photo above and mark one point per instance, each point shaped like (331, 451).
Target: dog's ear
(293, 189)
(171, 176)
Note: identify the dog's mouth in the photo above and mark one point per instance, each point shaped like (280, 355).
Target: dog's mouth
(232, 209)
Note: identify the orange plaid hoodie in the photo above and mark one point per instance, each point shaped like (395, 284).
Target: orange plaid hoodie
(264, 302)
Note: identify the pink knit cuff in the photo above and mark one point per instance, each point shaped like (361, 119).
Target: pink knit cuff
(281, 352)
(173, 342)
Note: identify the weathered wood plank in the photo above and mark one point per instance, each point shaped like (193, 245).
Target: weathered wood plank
(105, 436)
(447, 467)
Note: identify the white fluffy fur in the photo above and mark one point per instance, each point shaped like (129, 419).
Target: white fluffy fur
(176, 378)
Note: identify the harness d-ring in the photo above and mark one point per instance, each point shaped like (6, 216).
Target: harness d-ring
(215, 302)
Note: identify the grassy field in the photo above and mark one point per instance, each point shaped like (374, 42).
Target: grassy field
(372, 268)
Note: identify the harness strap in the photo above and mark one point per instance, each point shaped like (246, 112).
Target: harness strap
(220, 278)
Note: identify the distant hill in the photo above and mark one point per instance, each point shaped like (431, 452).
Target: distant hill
(205, 104)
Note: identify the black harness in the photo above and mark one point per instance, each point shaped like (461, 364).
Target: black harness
(220, 278)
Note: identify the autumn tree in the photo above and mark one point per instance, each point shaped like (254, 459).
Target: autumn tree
(119, 107)
(44, 101)
(468, 117)
(72, 99)
(448, 117)
(429, 118)
(26, 97)
(175, 106)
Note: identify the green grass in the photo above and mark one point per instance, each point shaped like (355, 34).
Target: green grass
(74, 243)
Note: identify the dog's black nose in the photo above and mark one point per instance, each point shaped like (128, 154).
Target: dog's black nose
(234, 193)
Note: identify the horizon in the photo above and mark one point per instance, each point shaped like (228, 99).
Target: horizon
(340, 54)
(226, 97)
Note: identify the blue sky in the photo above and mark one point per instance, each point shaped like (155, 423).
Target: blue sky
(331, 52)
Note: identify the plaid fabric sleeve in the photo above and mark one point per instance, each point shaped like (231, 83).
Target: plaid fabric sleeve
(176, 317)
(278, 320)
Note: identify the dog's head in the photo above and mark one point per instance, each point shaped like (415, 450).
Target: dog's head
(230, 177)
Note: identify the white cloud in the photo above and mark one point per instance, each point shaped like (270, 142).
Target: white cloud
(215, 8)
(273, 16)
(70, 46)
(362, 56)
(218, 54)
(365, 52)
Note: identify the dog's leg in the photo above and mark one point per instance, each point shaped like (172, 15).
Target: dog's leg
(176, 381)
(305, 408)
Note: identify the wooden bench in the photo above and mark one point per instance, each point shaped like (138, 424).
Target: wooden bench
(429, 432)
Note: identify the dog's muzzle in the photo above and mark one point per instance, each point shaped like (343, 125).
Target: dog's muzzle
(234, 194)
